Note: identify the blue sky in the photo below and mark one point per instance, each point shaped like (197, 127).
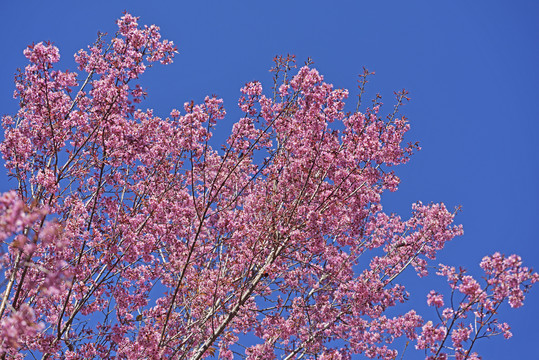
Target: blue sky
(470, 67)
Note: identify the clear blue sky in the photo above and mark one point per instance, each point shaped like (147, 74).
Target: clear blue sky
(471, 68)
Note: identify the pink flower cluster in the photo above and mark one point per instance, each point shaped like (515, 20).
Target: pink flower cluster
(475, 316)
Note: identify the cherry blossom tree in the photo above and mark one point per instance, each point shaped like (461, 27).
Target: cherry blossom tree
(131, 236)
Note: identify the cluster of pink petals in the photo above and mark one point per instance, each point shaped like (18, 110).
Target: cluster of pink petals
(476, 316)
(435, 299)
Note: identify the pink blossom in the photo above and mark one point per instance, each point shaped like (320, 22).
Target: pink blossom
(435, 299)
